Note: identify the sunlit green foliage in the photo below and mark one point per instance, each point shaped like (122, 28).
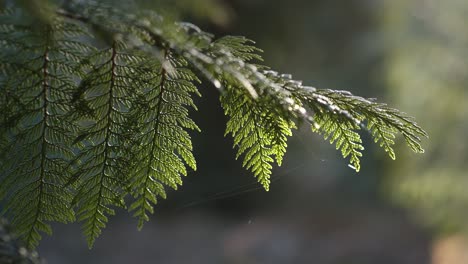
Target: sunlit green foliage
(94, 121)
(164, 147)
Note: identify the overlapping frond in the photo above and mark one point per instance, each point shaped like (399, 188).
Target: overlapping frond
(37, 83)
(258, 132)
(341, 131)
(164, 146)
(109, 93)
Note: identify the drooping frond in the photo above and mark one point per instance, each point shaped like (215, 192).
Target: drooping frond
(382, 121)
(338, 115)
(164, 145)
(341, 131)
(108, 93)
(38, 71)
(259, 125)
(258, 132)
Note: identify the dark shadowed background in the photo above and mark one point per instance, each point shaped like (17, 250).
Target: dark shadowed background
(411, 54)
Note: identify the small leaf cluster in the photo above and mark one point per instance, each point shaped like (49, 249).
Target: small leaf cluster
(95, 112)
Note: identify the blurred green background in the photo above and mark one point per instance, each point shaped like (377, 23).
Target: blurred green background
(410, 54)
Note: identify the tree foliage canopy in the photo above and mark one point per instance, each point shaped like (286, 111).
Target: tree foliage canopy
(95, 111)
